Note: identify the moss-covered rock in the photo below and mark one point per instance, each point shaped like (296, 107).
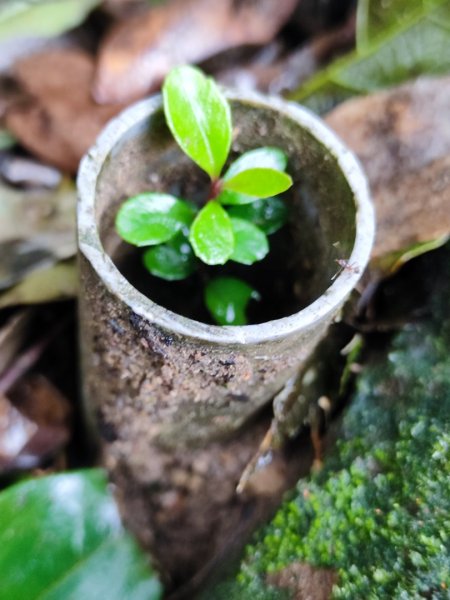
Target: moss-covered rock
(379, 512)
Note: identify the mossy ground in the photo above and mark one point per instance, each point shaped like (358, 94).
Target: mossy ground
(379, 512)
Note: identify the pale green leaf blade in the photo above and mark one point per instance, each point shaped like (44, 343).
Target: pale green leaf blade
(269, 214)
(250, 243)
(152, 218)
(211, 235)
(58, 282)
(47, 18)
(260, 182)
(199, 117)
(7, 140)
(172, 261)
(227, 299)
(266, 157)
(61, 537)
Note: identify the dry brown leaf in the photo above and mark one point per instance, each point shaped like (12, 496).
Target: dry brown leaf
(59, 120)
(402, 137)
(139, 52)
(305, 582)
(34, 423)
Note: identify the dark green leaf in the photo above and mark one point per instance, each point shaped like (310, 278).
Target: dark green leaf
(259, 182)
(171, 261)
(42, 19)
(211, 235)
(250, 243)
(269, 214)
(61, 537)
(416, 44)
(227, 299)
(374, 17)
(199, 117)
(150, 218)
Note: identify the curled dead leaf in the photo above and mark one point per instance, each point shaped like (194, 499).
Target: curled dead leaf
(139, 52)
(59, 120)
(402, 137)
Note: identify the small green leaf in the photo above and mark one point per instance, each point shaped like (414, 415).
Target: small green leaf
(230, 198)
(227, 299)
(61, 537)
(260, 182)
(171, 261)
(199, 117)
(211, 235)
(269, 214)
(150, 218)
(250, 243)
(266, 157)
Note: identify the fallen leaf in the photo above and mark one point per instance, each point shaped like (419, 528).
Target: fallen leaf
(27, 172)
(34, 424)
(138, 53)
(15, 432)
(37, 229)
(12, 335)
(59, 121)
(41, 19)
(416, 44)
(74, 517)
(304, 581)
(402, 138)
(59, 282)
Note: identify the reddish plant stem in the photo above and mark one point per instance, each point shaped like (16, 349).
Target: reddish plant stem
(215, 189)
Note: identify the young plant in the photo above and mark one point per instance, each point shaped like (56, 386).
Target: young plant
(238, 214)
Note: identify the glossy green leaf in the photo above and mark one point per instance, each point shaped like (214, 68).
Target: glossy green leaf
(171, 261)
(259, 182)
(42, 18)
(231, 198)
(211, 235)
(266, 157)
(227, 299)
(250, 243)
(150, 218)
(61, 538)
(199, 117)
(269, 214)
(416, 44)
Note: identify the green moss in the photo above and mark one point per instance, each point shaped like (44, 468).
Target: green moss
(379, 510)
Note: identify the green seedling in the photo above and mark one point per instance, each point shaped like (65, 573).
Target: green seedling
(241, 209)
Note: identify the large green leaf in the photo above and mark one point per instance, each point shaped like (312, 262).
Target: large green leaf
(172, 261)
(61, 538)
(250, 243)
(416, 44)
(269, 214)
(211, 235)
(41, 18)
(199, 117)
(227, 298)
(150, 218)
(374, 17)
